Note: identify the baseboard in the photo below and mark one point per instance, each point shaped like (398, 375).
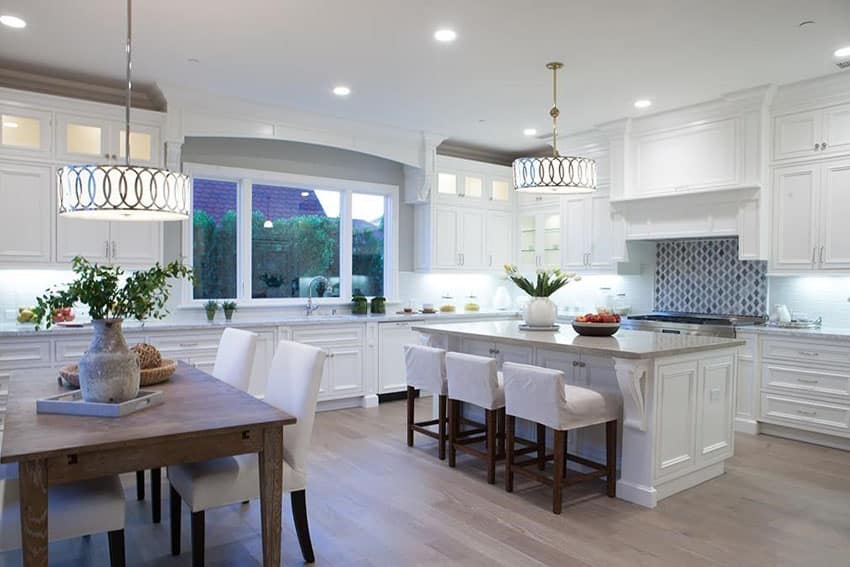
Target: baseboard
(831, 441)
(748, 426)
(370, 401)
(690, 480)
(394, 396)
(637, 494)
(345, 403)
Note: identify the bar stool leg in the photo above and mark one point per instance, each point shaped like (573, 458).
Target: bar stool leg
(558, 479)
(566, 451)
(491, 445)
(510, 424)
(454, 425)
(541, 446)
(611, 457)
(411, 392)
(501, 435)
(441, 426)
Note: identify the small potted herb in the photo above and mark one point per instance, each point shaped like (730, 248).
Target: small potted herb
(211, 306)
(379, 305)
(359, 305)
(229, 307)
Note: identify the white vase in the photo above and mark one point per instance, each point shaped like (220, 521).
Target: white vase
(540, 312)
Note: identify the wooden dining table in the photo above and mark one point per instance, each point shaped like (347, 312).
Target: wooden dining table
(201, 418)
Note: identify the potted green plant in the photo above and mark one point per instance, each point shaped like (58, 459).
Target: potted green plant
(540, 311)
(211, 306)
(379, 305)
(229, 307)
(359, 305)
(109, 371)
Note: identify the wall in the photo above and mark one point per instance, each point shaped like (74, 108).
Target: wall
(706, 276)
(815, 296)
(304, 159)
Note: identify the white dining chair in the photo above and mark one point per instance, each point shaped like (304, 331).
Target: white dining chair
(293, 387)
(73, 510)
(234, 361)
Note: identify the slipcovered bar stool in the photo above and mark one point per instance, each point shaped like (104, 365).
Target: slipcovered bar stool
(475, 380)
(542, 396)
(426, 369)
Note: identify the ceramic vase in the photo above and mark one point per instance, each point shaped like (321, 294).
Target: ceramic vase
(540, 312)
(109, 371)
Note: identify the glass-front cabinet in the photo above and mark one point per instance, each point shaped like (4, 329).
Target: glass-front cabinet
(539, 240)
(81, 139)
(24, 131)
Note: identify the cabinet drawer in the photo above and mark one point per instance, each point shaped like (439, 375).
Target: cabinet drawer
(792, 379)
(818, 416)
(324, 337)
(16, 354)
(801, 351)
(183, 345)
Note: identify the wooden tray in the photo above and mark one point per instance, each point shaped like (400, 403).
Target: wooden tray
(71, 403)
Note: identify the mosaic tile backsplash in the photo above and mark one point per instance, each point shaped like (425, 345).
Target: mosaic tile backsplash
(706, 276)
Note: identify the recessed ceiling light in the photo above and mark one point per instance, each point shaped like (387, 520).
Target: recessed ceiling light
(842, 52)
(342, 91)
(445, 35)
(9, 124)
(530, 132)
(305, 193)
(643, 103)
(12, 21)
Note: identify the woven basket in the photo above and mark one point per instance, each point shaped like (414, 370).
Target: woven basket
(149, 376)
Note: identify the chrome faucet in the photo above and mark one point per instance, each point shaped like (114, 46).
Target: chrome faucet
(310, 307)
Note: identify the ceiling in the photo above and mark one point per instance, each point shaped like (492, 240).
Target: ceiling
(483, 89)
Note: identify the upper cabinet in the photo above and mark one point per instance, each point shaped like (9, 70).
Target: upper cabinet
(24, 132)
(812, 134)
(92, 140)
(588, 235)
(463, 182)
(539, 239)
(25, 228)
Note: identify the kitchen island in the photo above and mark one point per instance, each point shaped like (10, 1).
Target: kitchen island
(678, 395)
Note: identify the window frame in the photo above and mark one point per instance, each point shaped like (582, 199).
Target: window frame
(245, 180)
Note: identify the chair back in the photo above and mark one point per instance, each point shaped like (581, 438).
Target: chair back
(426, 368)
(235, 357)
(474, 379)
(534, 393)
(293, 387)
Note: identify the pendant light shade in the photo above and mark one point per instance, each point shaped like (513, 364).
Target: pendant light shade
(555, 174)
(123, 192)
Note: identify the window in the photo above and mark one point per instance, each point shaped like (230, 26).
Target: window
(214, 236)
(294, 238)
(261, 237)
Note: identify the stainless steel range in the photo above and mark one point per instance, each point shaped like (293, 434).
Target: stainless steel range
(690, 323)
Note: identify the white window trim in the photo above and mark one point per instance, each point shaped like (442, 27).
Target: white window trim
(246, 178)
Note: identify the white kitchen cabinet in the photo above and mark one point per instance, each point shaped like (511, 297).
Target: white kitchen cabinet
(588, 236)
(25, 132)
(716, 388)
(539, 239)
(811, 203)
(500, 192)
(343, 375)
(812, 134)
(500, 351)
(499, 241)
(25, 227)
(89, 139)
(459, 238)
(127, 244)
(678, 386)
(392, 336)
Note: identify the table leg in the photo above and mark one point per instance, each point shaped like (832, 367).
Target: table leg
(271, 494)
(32, 478)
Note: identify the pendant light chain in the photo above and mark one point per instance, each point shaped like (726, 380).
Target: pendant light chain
(554, 112)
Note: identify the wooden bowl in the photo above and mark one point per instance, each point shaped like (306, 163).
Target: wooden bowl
(595, 329)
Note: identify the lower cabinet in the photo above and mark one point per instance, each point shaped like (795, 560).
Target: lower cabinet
(501, 352)
(343, 376)
(391, 369)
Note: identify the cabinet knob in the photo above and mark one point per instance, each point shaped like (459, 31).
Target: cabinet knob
(817, 147)
(823, 146)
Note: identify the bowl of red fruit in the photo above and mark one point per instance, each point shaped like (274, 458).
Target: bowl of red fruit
(597, 324)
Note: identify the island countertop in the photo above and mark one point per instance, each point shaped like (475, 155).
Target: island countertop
(625, 344)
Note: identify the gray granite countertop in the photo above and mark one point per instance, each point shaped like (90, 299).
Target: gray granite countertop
(13, 330)
(832, 333)
(625, 344)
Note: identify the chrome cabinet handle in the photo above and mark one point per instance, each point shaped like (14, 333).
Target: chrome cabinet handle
(106, 242)
(814, 253)
(808, 353)
(806, 412)
(186, 345)
(821, 254)
(806, 381)
(491, 259)
(114, 249)
(462, 259)
(538, 198)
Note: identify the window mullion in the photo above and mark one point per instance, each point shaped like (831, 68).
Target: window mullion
(243, 245)
(345, 248)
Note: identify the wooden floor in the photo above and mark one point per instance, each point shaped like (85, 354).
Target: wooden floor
(374, 501)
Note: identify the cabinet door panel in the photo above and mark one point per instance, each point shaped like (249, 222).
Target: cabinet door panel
(527, 241)
(836, 129)
(835, 212)
(677, 404)
(472, 233)
(24, 132)
(25, 214)
(83, 139)
(498, 239)
(747, 389)
(576, 221)
(75, 237)
(446, 238)
(795, 135)
(601, 234)
(136, 243)
(346, 371)
(794, 232)
(715, 424)
(392, 337)
(550, 240)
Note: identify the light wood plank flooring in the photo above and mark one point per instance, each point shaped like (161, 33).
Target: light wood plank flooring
(373, 501)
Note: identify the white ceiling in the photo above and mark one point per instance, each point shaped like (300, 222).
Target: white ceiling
(483, 89)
